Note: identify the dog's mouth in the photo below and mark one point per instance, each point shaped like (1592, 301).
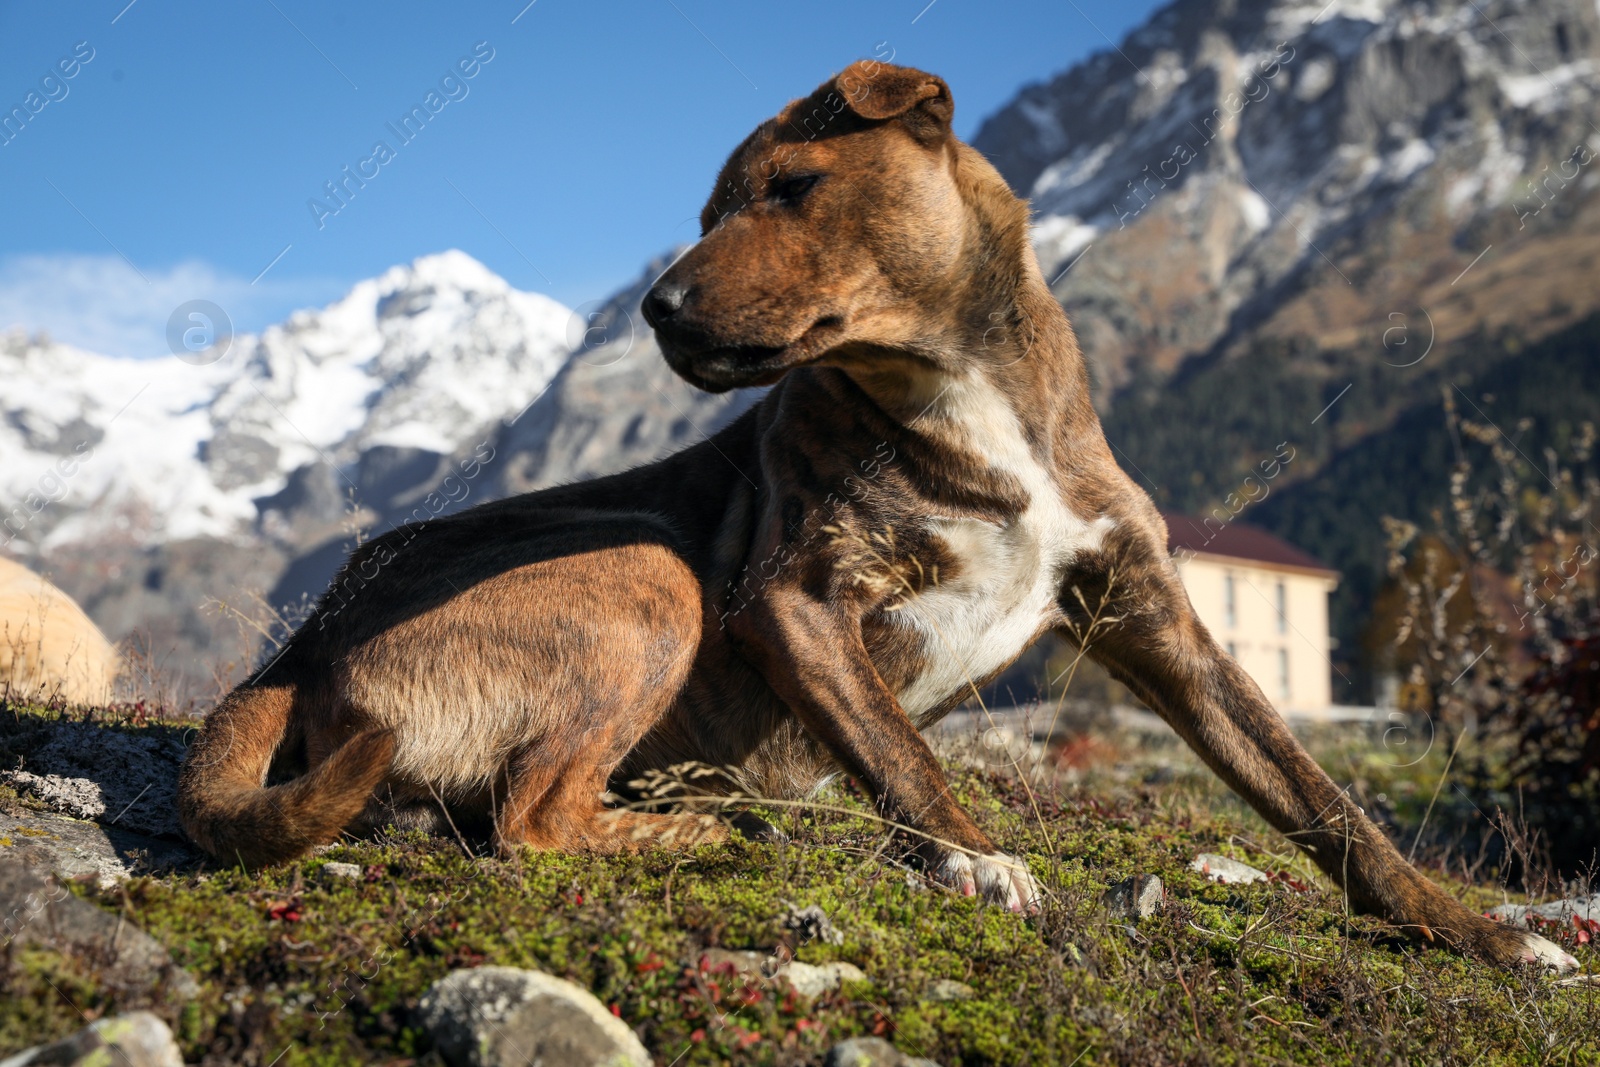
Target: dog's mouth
(717, 368)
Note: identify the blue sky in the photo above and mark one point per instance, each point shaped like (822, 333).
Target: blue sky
(177, 163)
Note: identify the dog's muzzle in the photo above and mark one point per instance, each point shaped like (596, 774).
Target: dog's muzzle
(695, 354)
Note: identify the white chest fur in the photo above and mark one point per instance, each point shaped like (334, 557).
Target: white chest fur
(1009, 575)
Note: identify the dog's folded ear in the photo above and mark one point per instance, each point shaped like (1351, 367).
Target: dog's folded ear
(877, 91)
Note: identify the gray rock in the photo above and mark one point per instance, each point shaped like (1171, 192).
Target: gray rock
(1561, 911)
(507, 1017)
(137, 1039)
(948, 989)
(73, 848)
(810, 980)
(871, 1052)
(1138, 897)
(1222, 869)
(78, 797)
(122, 777)
(341, 872)
(37, 910)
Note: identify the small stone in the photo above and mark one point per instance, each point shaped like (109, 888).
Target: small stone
(1138, 897)
(948, 989)
(508, 1017)
(871, 1052)
(1229, 872)
(137, 1039)
(342, 872)
(810, 980)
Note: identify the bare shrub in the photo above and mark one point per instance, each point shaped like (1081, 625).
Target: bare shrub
(1491, 622)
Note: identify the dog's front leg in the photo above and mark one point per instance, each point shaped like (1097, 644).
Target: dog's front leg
(813, 656)
(1161, 651)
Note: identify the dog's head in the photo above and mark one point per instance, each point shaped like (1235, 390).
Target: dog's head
(836, 231)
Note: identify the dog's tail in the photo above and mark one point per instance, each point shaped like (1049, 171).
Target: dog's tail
(225, 805)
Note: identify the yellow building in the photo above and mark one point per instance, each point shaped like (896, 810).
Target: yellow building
(1266, 603)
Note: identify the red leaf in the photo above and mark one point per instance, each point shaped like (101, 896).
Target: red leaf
(284, 910)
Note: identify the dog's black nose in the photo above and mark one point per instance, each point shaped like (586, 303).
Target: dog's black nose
(662, 302)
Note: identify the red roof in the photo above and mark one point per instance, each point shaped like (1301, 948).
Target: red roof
(1236, 540)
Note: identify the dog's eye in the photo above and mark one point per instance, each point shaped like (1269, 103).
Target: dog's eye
(791, 189)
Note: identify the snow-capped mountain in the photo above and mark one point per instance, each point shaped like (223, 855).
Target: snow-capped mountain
(1308, 168)
(422, 359)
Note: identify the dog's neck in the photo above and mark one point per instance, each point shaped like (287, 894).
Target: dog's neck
(1000, 335)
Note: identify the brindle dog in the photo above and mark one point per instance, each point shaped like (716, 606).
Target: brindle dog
(924, 491)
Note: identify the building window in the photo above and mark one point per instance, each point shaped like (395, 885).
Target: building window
(1283, 608)
(1283, 673)
(1233, 649)
(1230, 605)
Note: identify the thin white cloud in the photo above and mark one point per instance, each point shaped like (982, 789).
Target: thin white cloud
(102, 304)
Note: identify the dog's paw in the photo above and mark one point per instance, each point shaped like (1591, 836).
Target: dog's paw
(997, 877)
(1546, 954)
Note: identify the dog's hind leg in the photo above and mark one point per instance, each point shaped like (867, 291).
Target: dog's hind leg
(617, 683)
(563, 811)
(555, 803)
(1160, 650)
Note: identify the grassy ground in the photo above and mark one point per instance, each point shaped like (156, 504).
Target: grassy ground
(295, 969)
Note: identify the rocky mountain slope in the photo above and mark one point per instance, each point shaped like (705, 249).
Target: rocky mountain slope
(1239, 170)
